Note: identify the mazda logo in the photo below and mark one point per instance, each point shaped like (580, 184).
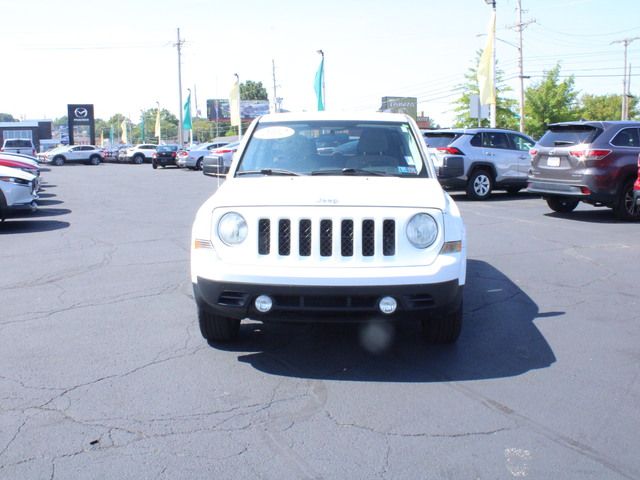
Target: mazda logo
(81, 112)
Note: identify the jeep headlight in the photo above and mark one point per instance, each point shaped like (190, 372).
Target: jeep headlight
(232, 228)
(422, 230)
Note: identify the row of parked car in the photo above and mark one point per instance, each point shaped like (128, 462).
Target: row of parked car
(573, 162)
(20, 181)
(211, 157)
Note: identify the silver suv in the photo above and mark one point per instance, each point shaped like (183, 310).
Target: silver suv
(480, 160)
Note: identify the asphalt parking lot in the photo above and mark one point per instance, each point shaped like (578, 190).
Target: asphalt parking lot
(104, 374)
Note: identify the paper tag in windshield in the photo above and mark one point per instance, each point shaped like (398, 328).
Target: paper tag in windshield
(274, 133)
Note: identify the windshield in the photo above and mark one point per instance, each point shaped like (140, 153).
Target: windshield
(332, 148)
(567, 135)
(440, 139)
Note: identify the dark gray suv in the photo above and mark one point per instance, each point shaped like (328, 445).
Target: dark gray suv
(591, 162)
(480, 160)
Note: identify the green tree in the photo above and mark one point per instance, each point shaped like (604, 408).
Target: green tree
(251, 90)
(605, 107)
(506, 116)
(6, 117)
(550, 101)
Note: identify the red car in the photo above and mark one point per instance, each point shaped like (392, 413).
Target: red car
(636, 186)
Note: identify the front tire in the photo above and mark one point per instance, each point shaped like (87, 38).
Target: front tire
(58, 161)
(443, 328)
(138, 159)
(216, 328)
(562, 204)
(94, 160)
(480, 185)
(199, 164)
(625, 207)
(154, 164)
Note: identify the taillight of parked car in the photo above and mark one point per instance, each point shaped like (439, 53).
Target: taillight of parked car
(589, 154)
(173, 154)
(154, 155)
(223, 150)
(533, 152)
(450, 150)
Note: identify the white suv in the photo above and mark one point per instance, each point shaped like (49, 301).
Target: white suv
(140, 153)
(17, 191)
(298, 235)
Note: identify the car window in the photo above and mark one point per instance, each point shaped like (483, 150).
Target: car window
(495, 140)
(476, 140)
(440, 139)
(567, 135)
(627, 137)
(18, 143)
(521, 143)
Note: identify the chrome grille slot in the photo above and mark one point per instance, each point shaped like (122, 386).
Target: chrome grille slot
(326, 237)
(264, 236)
(346, 244)
(388, 237)
(368, 238)
(304, 238)
(284, 237)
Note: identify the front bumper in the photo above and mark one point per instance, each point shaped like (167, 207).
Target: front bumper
(293, 303)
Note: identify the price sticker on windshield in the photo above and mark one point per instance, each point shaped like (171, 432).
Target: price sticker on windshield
(553, 161)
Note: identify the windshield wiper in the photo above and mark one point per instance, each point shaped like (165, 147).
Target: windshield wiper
(558, 143)
(268, 171)
(348, 171)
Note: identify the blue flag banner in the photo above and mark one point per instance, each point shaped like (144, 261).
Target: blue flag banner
(317, 85)
(186, 125)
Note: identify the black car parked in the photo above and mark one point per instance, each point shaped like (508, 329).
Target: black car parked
(164, 155)
(591, 162)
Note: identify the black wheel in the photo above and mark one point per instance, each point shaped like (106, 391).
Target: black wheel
(562, 204)
(199, 164)
(513, 190)
(154, 164)
(625, 207)
(94, 160)
(138, 159)
(480, 185)
(58, 161)
(216, 328)
(443, 328)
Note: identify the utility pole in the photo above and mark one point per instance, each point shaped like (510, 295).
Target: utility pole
(180, 132)
(519, 28)
(275, 93)
(493, 113)
(625, 92)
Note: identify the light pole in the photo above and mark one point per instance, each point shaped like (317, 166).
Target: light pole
(493, 113)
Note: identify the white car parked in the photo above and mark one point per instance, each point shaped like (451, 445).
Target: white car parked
(193, 157)
(297, 235)
(89, 154)
(17, 191)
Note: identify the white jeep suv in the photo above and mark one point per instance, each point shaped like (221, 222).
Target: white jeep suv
(294, 234)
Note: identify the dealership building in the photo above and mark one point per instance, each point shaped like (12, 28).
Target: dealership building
(35, 130)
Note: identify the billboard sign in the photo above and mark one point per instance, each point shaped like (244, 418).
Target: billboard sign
(407, 105)
(218, 109)
(82, 126)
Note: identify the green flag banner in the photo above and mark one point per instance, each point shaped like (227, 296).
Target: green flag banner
(186, 125)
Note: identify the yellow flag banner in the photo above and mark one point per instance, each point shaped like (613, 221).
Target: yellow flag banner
(485, 67)
(157, 131)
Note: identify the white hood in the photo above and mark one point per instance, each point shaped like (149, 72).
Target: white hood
(351, 191)
(15, 172)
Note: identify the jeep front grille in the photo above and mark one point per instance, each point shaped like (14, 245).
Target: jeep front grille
(319, 237)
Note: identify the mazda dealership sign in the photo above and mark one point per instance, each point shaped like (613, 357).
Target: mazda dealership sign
(82, 128)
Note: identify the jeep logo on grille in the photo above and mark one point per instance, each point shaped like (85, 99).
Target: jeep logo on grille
(327, 201)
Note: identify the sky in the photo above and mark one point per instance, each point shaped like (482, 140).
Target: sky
(121, 56)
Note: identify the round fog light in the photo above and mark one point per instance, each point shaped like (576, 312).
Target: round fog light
(388, 305)
(263, 303)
